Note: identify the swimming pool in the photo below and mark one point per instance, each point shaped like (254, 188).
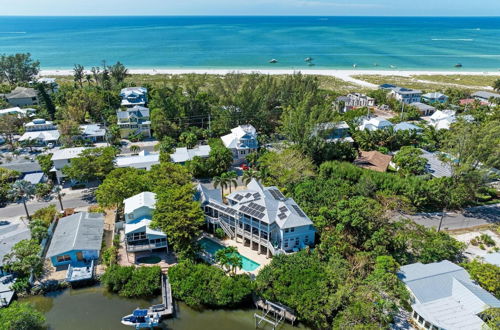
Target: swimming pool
(211, 247)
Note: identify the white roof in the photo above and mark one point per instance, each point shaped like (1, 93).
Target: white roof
(406, 126)
(92, 130)
(143, 225)
(133, 203)
(374, 123)
(52, 135)
(442, 114)
(143, 159)
(67, 153)
(133, 90)
(16, 111)
(47, 80)
(232, 140)
(182, 155)
(435, 95)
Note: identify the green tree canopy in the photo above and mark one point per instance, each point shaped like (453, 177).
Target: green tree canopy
(24, 258)
(93, 163)
(410, 161)
(21, 316)
(18, 68)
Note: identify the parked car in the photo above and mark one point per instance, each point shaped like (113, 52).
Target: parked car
(244, 167)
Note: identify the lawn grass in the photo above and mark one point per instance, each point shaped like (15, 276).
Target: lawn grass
(466, 80)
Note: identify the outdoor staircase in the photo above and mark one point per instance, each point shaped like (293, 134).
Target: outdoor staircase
(229, 232)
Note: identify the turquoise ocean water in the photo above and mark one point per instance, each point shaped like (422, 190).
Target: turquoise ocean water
(250, 42)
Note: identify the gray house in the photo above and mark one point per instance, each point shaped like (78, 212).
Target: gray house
(444, 297)
(260, 217)
(22, 96)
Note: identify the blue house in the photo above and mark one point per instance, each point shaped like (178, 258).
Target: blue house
(77, 239)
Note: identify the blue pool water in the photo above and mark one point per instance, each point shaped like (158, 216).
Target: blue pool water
(413, 43)
(211, 247)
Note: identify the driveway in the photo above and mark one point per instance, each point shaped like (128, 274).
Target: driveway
(470, 217)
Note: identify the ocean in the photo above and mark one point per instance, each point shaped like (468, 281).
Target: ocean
(369, 43)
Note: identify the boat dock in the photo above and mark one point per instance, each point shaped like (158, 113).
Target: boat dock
(273, 314)
(166, 308)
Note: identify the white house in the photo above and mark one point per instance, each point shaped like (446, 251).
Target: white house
(51, 84)
(20, 113)
(22, 96)
(241, 141)
(435, 98)
(444, 297)
(261, 217)
(355, 100)
(93, 132)
(182, 155)
(139, 236)
(134, 120)
(63, 157)
(406, 126)
(374, 123)
(134, 96)
(443, 119)
(405, 95)
(42, 131)
(144, 160)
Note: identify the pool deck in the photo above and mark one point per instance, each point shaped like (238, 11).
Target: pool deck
(244, 251)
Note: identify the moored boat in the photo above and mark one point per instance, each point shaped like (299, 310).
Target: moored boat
(142, 318)
(273, 61)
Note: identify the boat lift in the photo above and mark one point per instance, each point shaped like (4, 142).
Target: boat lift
(272, 314)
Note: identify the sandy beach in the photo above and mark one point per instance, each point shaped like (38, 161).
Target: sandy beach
(346, 75)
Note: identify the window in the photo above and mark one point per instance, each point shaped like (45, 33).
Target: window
(292, 230)
(286, 243)
(415, 315)
(286, 230)
(420, 319)
(306, 239)
(297, 241)
(427, 325)
(434, 328)
(242, 152)
(63, 258)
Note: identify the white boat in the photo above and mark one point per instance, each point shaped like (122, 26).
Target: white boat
(308, 59)
(142, 318)
(273, 61)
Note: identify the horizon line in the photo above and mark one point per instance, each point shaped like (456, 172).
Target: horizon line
(291, 15)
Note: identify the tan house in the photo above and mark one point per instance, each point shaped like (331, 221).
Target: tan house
(373, 160)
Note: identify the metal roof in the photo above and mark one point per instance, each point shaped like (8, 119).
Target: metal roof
(67, 153)
(445, 295)
(80, 231)
(146, 198)
(182, 155)
(435, 166)
(10, 234)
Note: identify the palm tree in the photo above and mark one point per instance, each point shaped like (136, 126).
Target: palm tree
(57, 189)
(231, 177)
(135, 149)
(222, 182)
(249, 175)
(24, 191)
(228, 259)
(252, 159)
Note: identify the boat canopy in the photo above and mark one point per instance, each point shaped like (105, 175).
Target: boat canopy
(140, 312)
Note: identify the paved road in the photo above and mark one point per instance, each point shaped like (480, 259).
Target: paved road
(471, 217)
(74, 199)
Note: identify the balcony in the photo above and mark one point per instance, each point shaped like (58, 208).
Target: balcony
(145, 247)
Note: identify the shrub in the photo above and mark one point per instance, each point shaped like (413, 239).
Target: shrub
(131, 281)
(486, 239)
(202, 284)
(96, 209)
(21, 316)
(220, 234)
(46, 214)
(486, 275)
(110, 256)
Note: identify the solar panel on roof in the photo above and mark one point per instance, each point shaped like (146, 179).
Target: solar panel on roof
(283, 209)
(248, 195)
(238, 197)
(256, 195)
(276, 194)
(260, 216)
(282, 216)
(261, 208)
(298, 210)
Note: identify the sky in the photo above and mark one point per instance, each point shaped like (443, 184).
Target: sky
(251, 7)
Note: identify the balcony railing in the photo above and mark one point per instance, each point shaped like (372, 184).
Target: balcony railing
(144, 247)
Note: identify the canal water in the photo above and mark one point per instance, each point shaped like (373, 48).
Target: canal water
(94, 308)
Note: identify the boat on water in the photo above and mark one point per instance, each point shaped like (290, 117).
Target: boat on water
(458, 65)
(308, 59)
(142, 318)
(354, 66)
(273, 61)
